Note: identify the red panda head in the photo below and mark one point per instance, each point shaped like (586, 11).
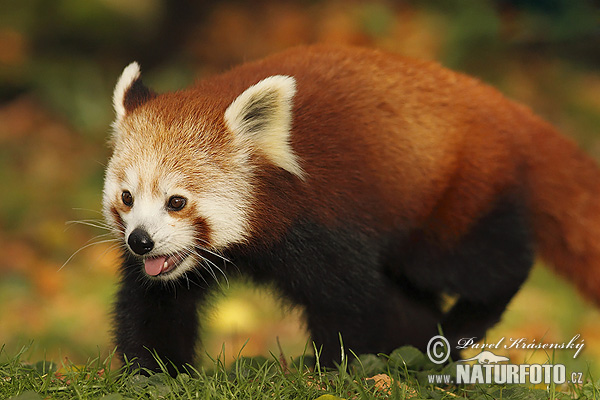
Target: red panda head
(180, 181)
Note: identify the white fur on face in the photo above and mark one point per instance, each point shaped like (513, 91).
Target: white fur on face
(226, 212)
(222, 201)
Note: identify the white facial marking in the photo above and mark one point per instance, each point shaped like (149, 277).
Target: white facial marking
(223, 205)
(225, 211)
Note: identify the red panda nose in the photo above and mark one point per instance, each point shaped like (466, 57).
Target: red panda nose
(140, 242)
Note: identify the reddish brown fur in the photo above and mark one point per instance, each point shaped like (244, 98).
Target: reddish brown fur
(403, 168)
(565, 187)
(435, 152)
(419, 146)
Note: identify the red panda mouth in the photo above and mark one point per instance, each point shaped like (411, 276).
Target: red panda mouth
(155, 266)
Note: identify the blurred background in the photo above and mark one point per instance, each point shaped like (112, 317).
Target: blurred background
(59, 61)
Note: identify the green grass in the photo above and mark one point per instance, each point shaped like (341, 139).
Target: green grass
(402, 375)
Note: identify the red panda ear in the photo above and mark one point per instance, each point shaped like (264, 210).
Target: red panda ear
(261, 117)
(130, 92)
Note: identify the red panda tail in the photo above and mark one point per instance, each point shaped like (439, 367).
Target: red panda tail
(565, 204)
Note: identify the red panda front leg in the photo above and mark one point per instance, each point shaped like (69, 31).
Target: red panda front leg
(153, 317)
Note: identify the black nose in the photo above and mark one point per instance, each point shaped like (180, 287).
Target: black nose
(140, 242)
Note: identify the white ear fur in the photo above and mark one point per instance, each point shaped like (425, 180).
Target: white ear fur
(262, 115)
(130, 74)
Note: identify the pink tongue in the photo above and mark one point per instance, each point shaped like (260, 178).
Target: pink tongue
(154, 266)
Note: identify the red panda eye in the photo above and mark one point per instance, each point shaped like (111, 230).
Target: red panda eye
(127, 198)
(176, 203)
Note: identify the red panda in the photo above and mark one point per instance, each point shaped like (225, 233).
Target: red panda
(363, 185)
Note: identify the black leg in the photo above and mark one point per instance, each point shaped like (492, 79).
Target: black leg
(484, 269)
(471, 319)
(337, 277)
(155, 317)
(377, 319)
(498, 256)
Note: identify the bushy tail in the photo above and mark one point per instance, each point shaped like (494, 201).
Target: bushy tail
(565, 201)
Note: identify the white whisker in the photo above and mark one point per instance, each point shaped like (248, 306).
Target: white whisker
(209, 267)
(214, 252)
(88, 210)
(85, 246)
(93, 223)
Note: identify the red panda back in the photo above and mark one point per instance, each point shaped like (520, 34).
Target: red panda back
(388, 139)
(397, 141)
